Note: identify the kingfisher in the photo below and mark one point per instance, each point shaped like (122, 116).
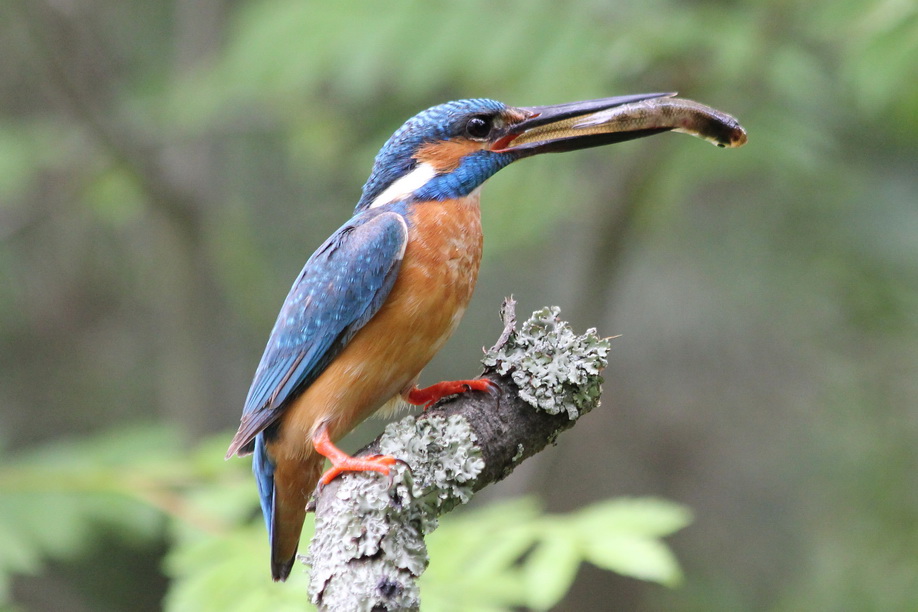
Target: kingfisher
(381, 296)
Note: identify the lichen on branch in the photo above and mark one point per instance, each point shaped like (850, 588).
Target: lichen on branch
(554, 369)
(368, 549)
(383, 521)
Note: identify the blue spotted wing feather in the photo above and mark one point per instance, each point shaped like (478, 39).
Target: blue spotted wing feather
(340, 288)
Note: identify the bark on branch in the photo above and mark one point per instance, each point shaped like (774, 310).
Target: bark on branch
(368, 549)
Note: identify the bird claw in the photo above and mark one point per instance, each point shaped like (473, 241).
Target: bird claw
(391, 474)
(375, 463)
(381, 464)
(492, 388)
(428, 396)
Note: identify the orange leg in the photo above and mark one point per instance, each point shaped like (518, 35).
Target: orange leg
(428, 396)
(342, 462)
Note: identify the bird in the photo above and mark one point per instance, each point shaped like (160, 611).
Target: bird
(380, 297)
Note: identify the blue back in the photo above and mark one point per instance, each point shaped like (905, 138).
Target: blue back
(341, 287)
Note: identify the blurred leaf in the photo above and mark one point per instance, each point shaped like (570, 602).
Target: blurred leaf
(473, 556)
(57, 498)
(637, 557)
(138, 444)
(550, 569)
(229, 572)
(507, 553)
(637, 516)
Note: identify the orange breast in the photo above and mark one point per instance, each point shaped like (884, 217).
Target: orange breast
(433, 288)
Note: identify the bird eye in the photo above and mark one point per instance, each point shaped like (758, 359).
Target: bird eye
(478, 127)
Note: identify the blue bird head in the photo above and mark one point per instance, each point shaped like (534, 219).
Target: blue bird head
(449, 150)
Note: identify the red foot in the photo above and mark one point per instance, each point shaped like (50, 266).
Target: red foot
(428, 396)
(342, 462)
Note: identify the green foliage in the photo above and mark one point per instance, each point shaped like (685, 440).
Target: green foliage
(56, 499)
(228, 572)
(143, 485)
(511, 554)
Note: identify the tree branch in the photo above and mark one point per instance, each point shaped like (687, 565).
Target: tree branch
(368, 550)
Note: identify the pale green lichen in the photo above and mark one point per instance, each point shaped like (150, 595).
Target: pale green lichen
(555, 369)
(382, 521)
(443, 457)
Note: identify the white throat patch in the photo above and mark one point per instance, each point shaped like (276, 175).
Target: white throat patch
(408, 184)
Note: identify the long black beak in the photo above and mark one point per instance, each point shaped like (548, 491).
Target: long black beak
(592, 123)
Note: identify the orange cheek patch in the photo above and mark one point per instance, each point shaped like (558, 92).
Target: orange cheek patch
(445, 155)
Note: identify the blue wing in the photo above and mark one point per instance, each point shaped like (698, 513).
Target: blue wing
(341, 287)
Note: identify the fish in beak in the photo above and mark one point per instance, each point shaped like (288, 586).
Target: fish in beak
(592, 123)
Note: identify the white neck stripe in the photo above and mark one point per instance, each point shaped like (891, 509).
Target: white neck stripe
(406, 185)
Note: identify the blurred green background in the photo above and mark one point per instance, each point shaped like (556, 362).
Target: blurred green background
(167, 167)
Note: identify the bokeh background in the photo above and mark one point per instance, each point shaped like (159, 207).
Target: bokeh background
(167, 167)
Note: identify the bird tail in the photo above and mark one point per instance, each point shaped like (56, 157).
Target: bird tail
(284, 490)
